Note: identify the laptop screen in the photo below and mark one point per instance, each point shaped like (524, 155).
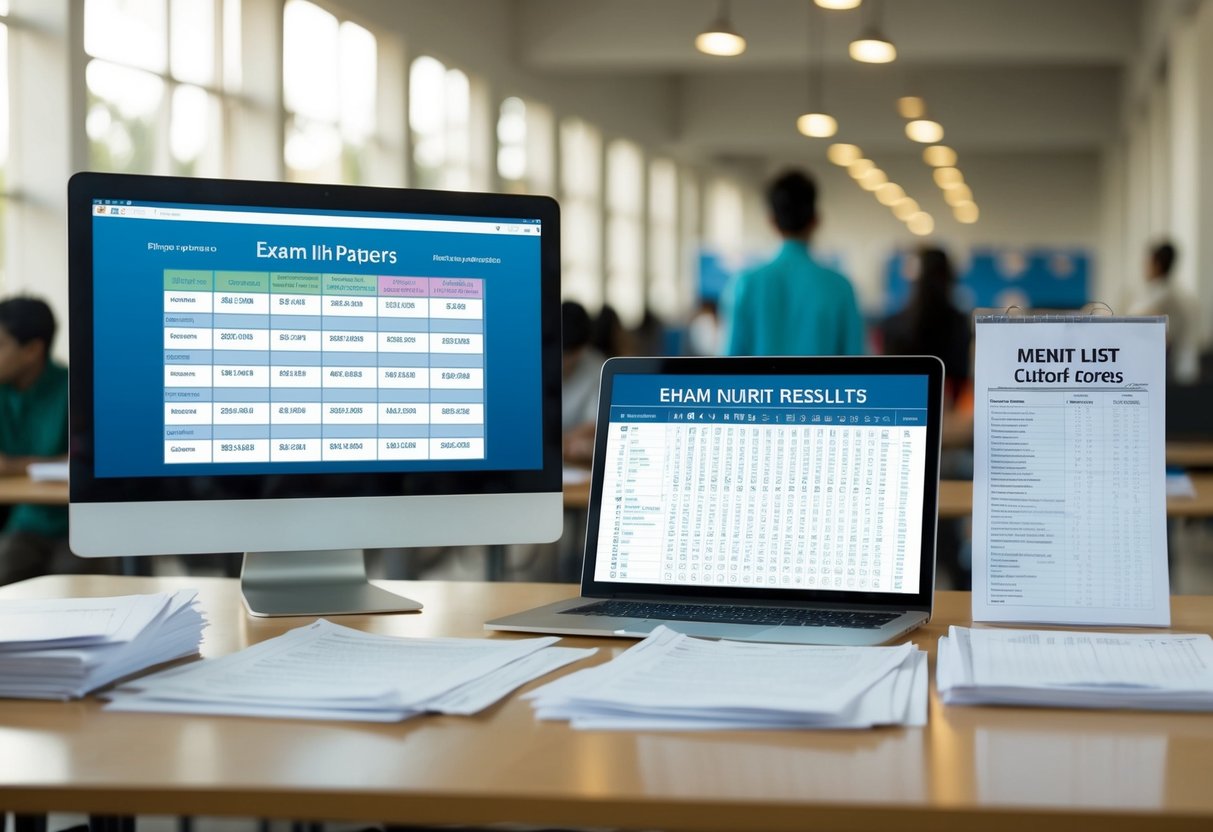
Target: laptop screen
(765, 481)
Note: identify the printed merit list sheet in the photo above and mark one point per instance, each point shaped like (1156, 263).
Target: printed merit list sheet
(1069, 511)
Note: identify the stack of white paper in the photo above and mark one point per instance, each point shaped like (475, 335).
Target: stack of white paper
(325, 671)
(1072, 669)
(670, 681)
(47, 471)
(66, 647)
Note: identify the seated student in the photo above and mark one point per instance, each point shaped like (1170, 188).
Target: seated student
(33, 428)
(581, 368)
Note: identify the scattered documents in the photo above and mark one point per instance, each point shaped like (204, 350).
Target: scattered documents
(47, 471)
(1179, 484)
(671, 681)
(65, 647)
(326, 671)
(1171, 672)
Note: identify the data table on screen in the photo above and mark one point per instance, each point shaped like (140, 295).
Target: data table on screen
(306, 367)
(764, 498)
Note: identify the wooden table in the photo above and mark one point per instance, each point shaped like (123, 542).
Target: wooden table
(21, 489)
(956, 498)
(970, 768)
(1190, 454)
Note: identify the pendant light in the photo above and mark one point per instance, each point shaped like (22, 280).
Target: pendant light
(872, 46)
(815, 123)
(720, 38)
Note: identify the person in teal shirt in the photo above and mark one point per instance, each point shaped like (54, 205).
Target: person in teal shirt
(792, 305)
(33, 428)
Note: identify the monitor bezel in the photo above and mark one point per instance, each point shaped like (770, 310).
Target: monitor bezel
(85, 487)
(928, 366)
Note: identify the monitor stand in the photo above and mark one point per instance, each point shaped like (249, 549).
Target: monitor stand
(329, 582)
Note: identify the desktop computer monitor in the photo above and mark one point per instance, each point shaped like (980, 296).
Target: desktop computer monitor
(300, 372)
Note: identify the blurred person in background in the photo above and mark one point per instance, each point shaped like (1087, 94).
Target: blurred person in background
(608, 335)
(930, 323)
(33, 428)
(792, 305)
(581, 369)
(1163, 297)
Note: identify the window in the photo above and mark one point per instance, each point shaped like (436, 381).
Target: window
(511, 145)
(625, 252)
(524, 147)
(329, 73)
(155, 83)
(581, 209)
(666, 295)
(3, 144)
(689, 231)
(440, 108)
(724, 221)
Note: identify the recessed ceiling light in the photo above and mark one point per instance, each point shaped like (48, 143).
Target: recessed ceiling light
(939, 156)
(859, 167)
(924, 130)
(905, 208)
(838, 5)
(873, 179)
(890, 193)
(872, 48)
(911, 106)
(966, 212)
(920, 224)
(947, 177)
(958, 194)
(817, 125)
(843, 154)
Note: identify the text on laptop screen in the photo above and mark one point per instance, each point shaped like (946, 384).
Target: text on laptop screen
(777, 482)
(238, 340)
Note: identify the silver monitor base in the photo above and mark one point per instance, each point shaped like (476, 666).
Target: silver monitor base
(331, 582)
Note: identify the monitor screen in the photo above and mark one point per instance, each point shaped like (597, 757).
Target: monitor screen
(790, 482)
(289, 348)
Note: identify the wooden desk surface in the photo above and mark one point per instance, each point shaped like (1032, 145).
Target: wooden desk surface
(1190, 454)
(970, 768)
(956, 498)
(21, 489)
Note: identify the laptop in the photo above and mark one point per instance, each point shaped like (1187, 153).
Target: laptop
(787, 500)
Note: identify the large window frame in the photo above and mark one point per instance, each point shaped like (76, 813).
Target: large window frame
(145, 104)
(581, 202)
(330, 83)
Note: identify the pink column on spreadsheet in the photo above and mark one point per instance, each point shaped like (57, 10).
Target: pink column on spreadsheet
(456, 368)
(404, 373)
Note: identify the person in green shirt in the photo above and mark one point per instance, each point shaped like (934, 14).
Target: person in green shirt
(33, 428)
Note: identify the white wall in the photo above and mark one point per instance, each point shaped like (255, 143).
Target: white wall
(1157, 170)
(46, 87)
(480, 39)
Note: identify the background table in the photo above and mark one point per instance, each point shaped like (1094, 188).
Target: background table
(956, 498)
(21, 489)
(1190, 453)
(970, 768)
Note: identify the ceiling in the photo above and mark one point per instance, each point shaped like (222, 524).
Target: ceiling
(1001, 76)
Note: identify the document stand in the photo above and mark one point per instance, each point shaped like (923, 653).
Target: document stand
(328, 582)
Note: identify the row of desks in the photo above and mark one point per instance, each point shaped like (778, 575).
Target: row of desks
(955, 496)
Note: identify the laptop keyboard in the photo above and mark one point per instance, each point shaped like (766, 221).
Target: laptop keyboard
(729, 614)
